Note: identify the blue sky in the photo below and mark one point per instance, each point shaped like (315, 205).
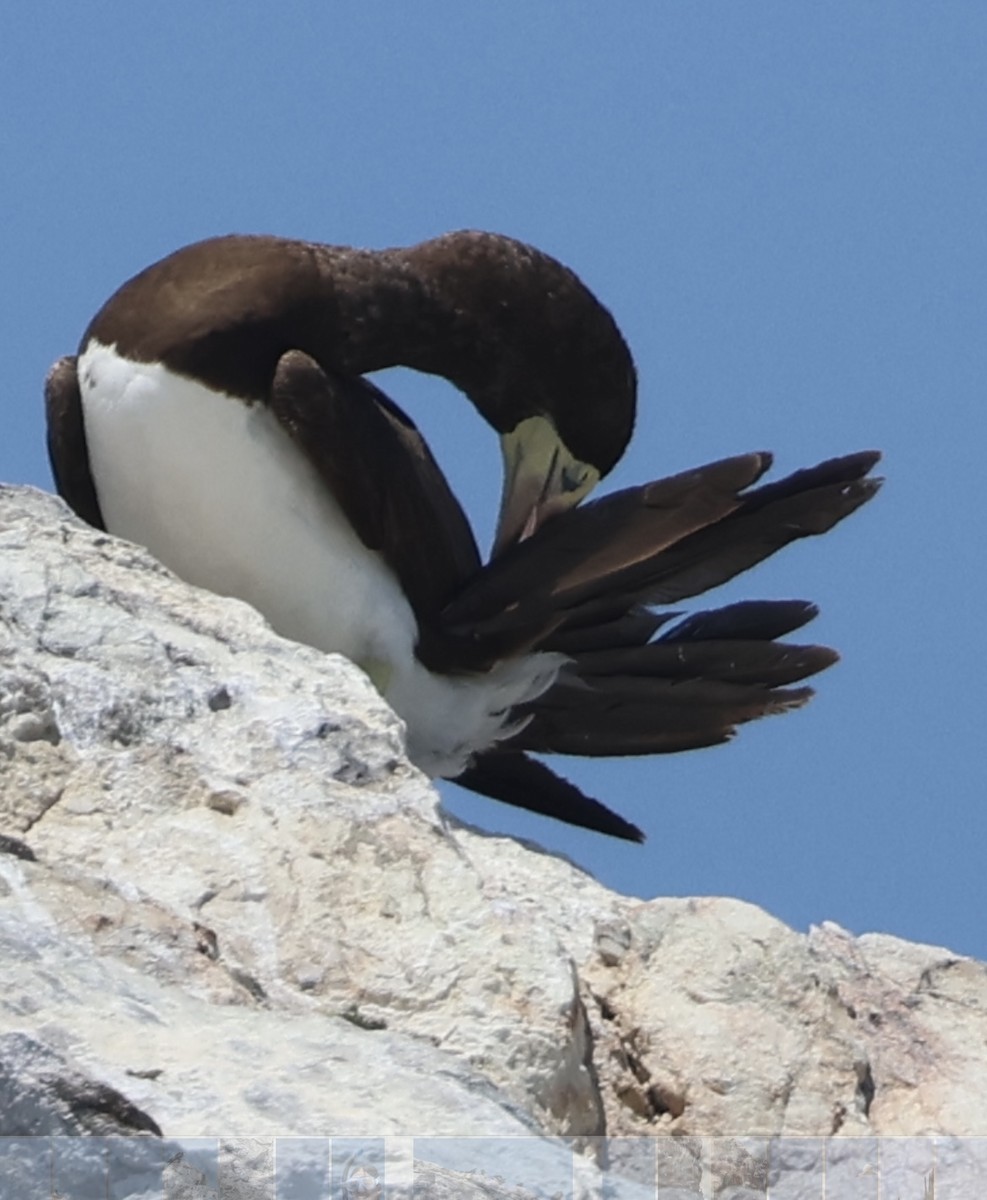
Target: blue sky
(783, 204)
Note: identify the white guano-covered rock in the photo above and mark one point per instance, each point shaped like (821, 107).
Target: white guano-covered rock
(226, 894)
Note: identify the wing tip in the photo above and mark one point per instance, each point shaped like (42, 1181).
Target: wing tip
(514, 778)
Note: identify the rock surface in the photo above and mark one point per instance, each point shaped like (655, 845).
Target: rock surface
(226, 895)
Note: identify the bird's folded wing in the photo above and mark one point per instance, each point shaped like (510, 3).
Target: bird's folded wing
(67, 449)
(382, 474)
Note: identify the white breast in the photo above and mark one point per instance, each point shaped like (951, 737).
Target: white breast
(219, 493)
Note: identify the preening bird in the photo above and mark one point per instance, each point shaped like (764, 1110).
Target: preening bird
(217, 413)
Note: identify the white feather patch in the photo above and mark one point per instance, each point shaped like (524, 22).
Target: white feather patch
(217, 491)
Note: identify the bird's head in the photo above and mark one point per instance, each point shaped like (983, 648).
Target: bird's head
(540, 358)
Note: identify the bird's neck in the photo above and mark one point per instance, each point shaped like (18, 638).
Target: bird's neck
(384, 313)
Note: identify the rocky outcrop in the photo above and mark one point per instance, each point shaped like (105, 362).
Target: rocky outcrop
(226, 897)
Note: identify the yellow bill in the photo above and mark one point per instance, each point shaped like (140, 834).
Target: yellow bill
(541, 479)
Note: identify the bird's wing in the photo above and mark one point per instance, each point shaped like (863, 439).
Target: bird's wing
(67, 450)
(601, 548)
(657, 544)
(382, 474)
(691, 687)
(523, 782)
(593, 571)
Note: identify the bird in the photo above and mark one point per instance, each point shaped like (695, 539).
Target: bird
(218, 413)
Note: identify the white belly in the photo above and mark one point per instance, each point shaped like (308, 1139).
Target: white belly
(218, 492)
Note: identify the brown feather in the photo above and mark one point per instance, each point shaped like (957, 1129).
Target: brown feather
(621, 715)
(382, 474)
(599, 547)
(771, 664)
(524, 782)
(748, 620)
(67, 450)
(595, 563)
(767, 520)
(634, 628)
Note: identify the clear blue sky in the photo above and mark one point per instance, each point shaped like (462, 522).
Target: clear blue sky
(784, 206)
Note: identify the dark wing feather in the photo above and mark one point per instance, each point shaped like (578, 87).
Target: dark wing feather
(749, 620)
(805, 504)
(382, 473)
(526, 783)
(596, 570)
(67, 449)
(599, 548)
(606, 715)
(635, 627)
(657, 557)
(691, 687)
(773, 664)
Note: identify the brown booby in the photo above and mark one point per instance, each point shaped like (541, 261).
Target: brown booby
(217, 413)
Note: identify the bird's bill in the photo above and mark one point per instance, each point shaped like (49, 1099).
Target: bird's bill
(541, 478)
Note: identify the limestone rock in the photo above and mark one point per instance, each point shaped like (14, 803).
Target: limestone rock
(227, 895)
(41, 1093)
